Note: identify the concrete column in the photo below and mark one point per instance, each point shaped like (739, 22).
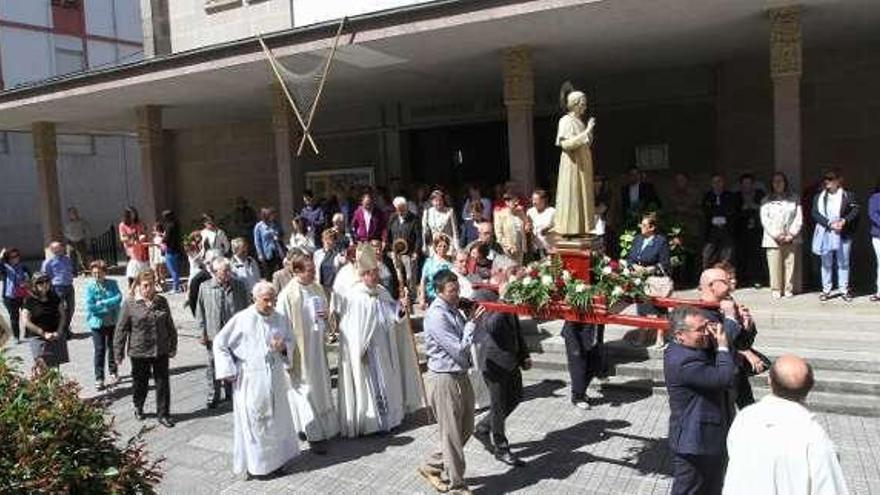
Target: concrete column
(519, 100)
(157, 29)
(390, 151)
(290, 176)
(785, 70)
(151, 144)
(46, 155)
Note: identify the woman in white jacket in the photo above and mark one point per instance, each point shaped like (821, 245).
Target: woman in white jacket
(782, 219)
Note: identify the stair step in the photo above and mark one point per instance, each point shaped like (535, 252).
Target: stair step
(854, 404)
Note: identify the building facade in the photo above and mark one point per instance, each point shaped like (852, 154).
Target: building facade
(42, 40)
(455, 91)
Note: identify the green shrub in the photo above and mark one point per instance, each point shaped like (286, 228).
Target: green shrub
(51, 441)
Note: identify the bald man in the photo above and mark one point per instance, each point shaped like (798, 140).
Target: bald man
(777, 447)
(716, 286)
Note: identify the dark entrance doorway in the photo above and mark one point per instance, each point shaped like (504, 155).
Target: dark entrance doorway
(457, 155)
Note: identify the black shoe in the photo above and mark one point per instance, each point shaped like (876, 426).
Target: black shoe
(166, 422)
(847, 296)
(482, 436)
(139, 414)
(508, 458)
(319, 448)
(212, 404)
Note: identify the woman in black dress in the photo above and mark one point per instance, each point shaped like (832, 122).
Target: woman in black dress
(43, 316)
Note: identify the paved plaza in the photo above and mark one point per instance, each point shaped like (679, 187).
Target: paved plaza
(619, 447)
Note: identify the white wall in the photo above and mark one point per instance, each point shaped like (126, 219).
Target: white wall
(35, 12)
(19, 203)
(193, 27)
(307, 12)
(99, 185)
(26, 55)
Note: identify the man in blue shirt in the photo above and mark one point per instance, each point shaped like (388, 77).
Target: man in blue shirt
(59, 268)
(448, 338)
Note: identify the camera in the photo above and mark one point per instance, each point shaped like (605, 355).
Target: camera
(466, 305)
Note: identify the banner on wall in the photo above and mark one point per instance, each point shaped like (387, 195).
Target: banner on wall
(323, 183)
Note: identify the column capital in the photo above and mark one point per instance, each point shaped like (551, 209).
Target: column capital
(785, 41)
(519, 76)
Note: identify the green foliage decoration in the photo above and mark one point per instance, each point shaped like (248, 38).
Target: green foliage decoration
(55, 442)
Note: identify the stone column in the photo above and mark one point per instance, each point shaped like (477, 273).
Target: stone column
(519, 100)
(46, 155)
(290, 177)
(785, 71)
(152, 150)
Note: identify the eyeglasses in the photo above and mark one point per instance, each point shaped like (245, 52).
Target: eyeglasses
(41, 282)
(722, 280)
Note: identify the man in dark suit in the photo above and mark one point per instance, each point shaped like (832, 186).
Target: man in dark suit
(405, 241)
(638, 196)
(699, 370)
(720, 209)
(502, 356)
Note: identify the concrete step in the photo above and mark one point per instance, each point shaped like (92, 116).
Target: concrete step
(858, 360)
(854, 404)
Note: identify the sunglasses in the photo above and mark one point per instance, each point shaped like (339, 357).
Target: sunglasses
(41, 282)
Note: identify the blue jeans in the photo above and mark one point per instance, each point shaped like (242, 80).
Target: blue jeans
(842, 254)
(102, 340)
(172, 261)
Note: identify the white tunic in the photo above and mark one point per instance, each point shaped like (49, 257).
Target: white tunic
(311, 402)
(776, 447)
(263, 438)
(378, 373)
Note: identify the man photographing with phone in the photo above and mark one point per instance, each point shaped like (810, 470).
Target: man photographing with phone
(448, 339)
(699, 370)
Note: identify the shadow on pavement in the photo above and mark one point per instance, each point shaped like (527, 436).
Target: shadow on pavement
(556, 456)
(542, 389)
(345, 450)
(123, 386)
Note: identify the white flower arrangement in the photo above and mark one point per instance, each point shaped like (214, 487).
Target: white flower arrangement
(547, 280)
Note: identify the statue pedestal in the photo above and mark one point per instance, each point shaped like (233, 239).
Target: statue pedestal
(576, 253)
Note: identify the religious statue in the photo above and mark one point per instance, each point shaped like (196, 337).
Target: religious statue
(575, 208)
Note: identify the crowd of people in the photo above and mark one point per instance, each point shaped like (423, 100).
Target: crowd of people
(268, 301)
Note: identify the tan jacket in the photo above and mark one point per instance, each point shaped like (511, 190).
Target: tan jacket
(510, 234)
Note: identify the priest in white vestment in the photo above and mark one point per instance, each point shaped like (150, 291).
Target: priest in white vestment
(304, 303)
(379, 378)
(776, 446)
(251, 350)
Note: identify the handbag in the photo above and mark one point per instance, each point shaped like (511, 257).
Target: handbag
(659, 285)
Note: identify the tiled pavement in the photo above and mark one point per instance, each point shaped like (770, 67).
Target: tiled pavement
(618, 447)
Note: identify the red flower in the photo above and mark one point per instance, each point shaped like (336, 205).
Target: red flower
(615, 265)
(533, 273)
(560, 283)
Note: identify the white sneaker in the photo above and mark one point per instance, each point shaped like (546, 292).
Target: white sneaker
(582, 404)
(776, 294)
(99, 385)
